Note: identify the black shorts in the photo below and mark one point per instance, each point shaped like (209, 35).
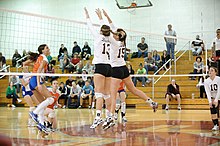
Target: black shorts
(120, 72)
(103, 69)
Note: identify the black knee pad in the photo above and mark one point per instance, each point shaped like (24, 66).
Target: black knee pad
(213, 110)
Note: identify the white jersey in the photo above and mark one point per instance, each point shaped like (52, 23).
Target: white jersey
(212, 88)
(117, 51)
(26, 79)
(101, 46)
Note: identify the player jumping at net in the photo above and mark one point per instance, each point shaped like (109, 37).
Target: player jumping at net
(102, 75)
(119, 70)
(27, 93)
(37, 85)
(120, 103)
(212, 88)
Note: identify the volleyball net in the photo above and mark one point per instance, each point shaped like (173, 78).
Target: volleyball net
(26, 31)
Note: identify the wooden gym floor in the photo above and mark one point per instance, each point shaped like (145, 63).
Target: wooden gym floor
(163, 128)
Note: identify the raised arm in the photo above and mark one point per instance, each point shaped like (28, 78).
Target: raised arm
(89, 24)
(113, 28)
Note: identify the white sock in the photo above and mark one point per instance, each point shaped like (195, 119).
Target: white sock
(31, 109)
(123, 107)
(93, 104)
(98, 114)
(43, 105)
(149, 100)
(41, 116)
(107, 113)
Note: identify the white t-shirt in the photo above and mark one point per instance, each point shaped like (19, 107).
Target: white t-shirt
(170, 33)
(76, 90)
(101, 46)
(217, 43)
(212, 88)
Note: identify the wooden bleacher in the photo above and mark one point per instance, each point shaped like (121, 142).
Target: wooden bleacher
(187, 86)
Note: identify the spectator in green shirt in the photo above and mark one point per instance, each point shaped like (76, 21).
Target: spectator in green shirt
(11, 93)
(141, 71)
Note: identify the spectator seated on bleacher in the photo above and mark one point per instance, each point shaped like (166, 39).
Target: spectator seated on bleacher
(87, 93)
(74, 63)
(11, 93)
(76, 49)
(150, 64)
(143, 80)
(16, 83)
(61, 52)
(69, 82)
(50, 70)
(89, 68)
(142, 48)
(165, 57)
(201, 87)
(75, 93)
(197, 46)
(15, 57)
(198, 66)
(86, 52)
(65, 63)
(2, 63)
(79, 68)
(173, 92)
(64, 94)
(156, 57)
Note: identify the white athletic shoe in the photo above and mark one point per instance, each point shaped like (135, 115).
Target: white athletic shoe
(116, 116)
(215, 128)
(167, 107)
(19, 100)
(64, 106)
(124, 120)
(96, 123)
(179, 107)
(13, 106)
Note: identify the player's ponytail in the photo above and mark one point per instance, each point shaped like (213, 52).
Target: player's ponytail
(33, 56)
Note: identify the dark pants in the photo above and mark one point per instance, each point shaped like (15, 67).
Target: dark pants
(14, 97)
(141, 79)
(195, 72)
(202, 90)
(65, 97)
(140, 53)
(149, 68)
(77, 97)
(18, 87)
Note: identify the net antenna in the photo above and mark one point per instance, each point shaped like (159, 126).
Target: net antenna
(133, 4)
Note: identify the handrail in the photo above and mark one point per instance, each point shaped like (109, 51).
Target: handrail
(8, 66)
(19, 61)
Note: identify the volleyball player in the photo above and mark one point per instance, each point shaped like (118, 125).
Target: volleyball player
(120, 103)
(49, 112)
(212, 88)
(120, 71)
(37, 86)
(27, 93)
(102, 75)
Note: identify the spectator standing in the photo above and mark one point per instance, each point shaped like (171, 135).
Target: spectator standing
(142, 48)
(170, 42)
(201, 87)
(15, 58)
(86, 52)
(173, 92)
(76, 49)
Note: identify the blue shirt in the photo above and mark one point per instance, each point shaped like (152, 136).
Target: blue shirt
(87, 89)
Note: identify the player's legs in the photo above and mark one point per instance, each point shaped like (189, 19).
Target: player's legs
(106, 96)
(167, 101)
(130, 86)
(123, 106)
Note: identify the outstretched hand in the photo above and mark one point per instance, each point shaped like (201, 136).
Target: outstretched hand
(86, 12)
(99, 13)
(105, 13)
